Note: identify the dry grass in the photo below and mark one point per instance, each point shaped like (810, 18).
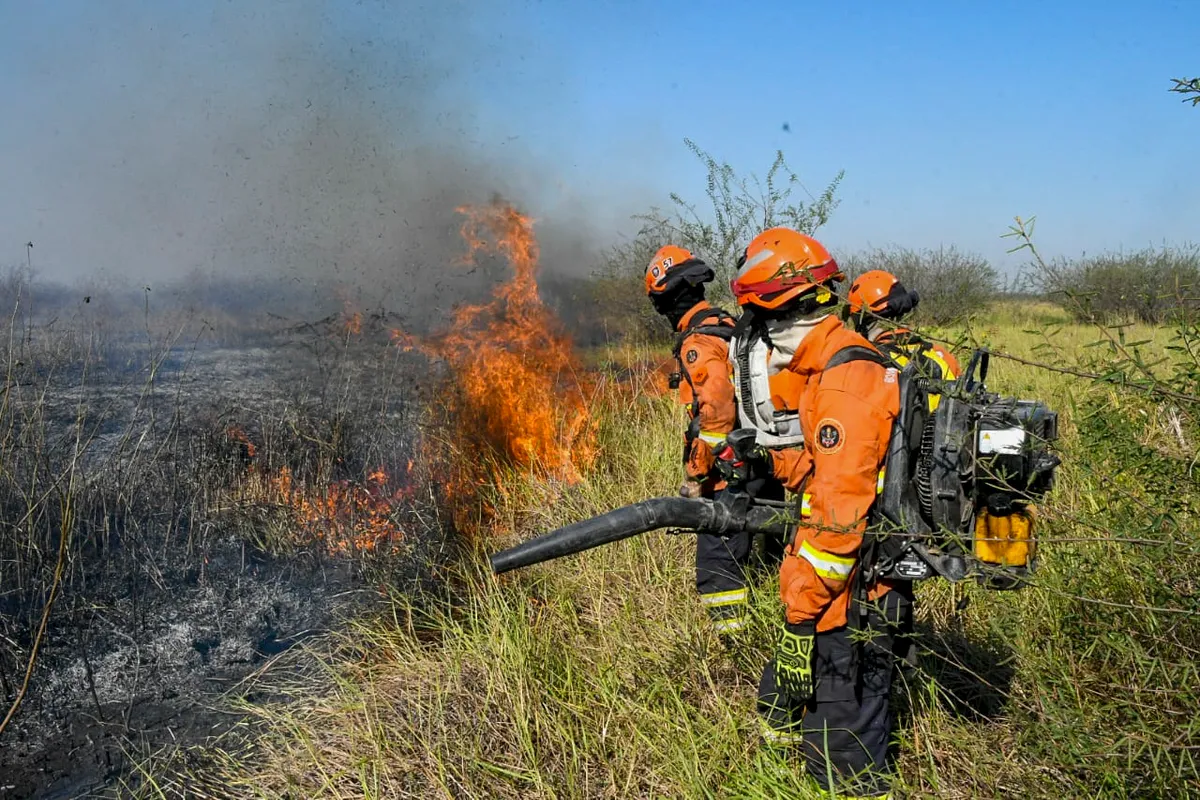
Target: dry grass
(596, 675)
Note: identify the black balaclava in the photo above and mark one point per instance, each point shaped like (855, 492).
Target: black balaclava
(900, 303)
(673, 305)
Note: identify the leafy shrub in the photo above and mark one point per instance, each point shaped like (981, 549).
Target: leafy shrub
(616, 304)
(952, 283)
(741, 207)
(1147, 285)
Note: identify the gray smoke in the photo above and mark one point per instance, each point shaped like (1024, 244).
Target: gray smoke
(300, 143)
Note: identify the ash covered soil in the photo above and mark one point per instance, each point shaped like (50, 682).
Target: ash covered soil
(159, 667)
(176, 596)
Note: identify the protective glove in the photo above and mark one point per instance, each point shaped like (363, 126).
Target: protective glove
(739, 469)
(794, 661)
(691, 489)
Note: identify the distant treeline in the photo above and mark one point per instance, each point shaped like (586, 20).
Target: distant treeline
(1152, 285)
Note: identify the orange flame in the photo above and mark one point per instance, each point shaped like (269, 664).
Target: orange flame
(518, 376)
(346, 516)
(658, 376)
(249, 451)
(351, 319)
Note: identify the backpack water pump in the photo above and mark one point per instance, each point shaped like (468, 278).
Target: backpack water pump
(957, 496)
(961, 483)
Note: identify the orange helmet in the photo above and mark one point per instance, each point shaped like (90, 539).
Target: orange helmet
(882, 294)
(780, 265)
(672, 266)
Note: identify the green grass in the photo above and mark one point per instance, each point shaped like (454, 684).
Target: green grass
(597, 675)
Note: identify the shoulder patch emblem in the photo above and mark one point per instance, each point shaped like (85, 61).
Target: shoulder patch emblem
(831, 436)
(692, 355)
(889, 375)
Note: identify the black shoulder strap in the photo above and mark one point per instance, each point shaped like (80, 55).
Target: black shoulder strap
(888, 346)
(722, 327)
(856, 352)
(744, 323)
(720, 331)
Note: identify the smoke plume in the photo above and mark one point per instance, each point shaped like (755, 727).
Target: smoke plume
(305, 145)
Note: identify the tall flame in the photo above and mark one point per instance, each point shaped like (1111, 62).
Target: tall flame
(517, 398)
(518, 376)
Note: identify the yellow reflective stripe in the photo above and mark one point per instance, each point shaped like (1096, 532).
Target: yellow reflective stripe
(879, 480)
(932, 354)
(712, 437)
(805, 504)
(827, 565)
(729, 625)
(729, 598)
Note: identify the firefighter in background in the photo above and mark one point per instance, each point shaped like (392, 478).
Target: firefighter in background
(876, 301)
(675, 284)
(827, 388)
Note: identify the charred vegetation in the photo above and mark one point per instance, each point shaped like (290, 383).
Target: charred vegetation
(180, 501)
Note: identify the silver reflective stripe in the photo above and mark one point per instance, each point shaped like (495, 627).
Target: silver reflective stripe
(729, 625)
(827, 565)
(776, 737)
(724, 598)
(755, 260)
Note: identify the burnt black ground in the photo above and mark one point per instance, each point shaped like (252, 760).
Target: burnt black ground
(163, 685)
(176, 604)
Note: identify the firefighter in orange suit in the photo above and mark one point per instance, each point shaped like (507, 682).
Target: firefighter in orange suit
(825, 689)
(675, 282)
(877, 298)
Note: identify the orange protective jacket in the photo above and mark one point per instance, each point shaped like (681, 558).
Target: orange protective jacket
(846, 414)
(704, 362)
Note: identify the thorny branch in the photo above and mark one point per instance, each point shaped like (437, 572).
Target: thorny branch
(1156, 389)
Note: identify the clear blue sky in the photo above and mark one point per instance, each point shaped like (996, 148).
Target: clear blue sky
(948, 118)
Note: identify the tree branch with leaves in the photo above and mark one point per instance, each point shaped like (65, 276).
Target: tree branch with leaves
(740, 208)
(1189, 88)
